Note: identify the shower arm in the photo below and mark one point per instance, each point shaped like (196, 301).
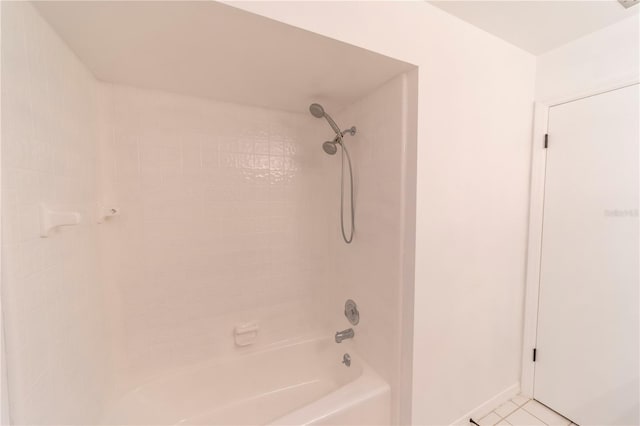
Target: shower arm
(351, 130)
(338, 139)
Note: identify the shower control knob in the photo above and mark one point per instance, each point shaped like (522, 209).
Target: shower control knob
(351, 312)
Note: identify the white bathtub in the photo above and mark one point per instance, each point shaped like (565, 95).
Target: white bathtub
(296, 384)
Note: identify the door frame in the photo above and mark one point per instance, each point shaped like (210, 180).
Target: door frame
(536, 213)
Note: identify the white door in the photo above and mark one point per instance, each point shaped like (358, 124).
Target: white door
(588, 323)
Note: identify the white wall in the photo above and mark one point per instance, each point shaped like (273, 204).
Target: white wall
(474, 129)
(595, 62)
(52, 292)
(223, 221)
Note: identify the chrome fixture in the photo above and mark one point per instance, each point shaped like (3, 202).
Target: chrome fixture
(344, 334)
(351, 312)
(346, 360)
(331, 147)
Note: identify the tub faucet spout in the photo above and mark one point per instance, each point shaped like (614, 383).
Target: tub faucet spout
(344, 334)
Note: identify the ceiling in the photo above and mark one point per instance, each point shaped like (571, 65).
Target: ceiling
(538, 26)
(211, 50)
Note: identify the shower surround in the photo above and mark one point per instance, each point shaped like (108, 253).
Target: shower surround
(229, 217)
(224, 222)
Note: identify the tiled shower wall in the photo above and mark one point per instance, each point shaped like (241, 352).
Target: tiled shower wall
(223, 222)
(52, 293)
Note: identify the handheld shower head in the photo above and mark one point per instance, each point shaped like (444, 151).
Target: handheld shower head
(331, 147)
(318, 111)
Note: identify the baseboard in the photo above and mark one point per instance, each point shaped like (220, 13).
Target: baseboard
(487, 406)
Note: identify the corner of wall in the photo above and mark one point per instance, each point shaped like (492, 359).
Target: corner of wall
(409, 170)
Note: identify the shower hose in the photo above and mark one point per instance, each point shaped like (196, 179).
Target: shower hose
(344, 234)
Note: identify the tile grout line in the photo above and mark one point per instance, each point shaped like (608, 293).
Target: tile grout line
(570, 422)
(551, 409)
(526, 411)
(532, 414)
(521, 407)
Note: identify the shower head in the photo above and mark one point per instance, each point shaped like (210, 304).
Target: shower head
(330, 147)
(317, 111)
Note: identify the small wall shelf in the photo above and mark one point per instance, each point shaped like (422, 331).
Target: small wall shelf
(246, 334)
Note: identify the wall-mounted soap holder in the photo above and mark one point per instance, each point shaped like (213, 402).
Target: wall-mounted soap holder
(51, 219)
(245, 334)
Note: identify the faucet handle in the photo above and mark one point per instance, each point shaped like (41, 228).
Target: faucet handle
(346, 360)
(351, 312)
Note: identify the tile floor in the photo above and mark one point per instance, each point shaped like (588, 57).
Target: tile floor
(522, 411)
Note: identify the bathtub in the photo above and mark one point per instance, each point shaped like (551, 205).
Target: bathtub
(304, 383)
